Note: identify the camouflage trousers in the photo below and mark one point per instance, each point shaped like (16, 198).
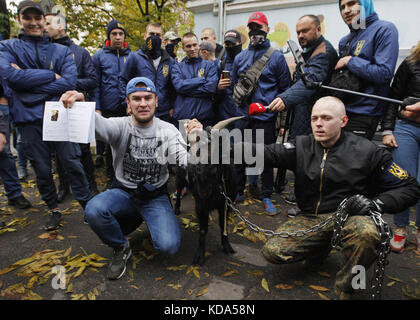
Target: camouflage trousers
(359, 241)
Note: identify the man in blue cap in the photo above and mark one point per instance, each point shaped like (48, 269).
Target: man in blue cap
(142, 146)
(369, 51)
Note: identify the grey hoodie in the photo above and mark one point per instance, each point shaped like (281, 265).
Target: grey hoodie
(141, 154)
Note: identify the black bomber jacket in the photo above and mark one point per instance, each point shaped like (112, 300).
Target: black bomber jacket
(406, 83)
(354, 165)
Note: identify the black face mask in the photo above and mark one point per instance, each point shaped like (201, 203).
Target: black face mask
(171, 49)
(257, 37)
(232, 52)
(153, 44)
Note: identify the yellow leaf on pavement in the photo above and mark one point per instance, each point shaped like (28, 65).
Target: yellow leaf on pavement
(229, 273)
(174, 286)
(204, 291)
(284, 286)
(319, 288)
(177, 268)
(69, 288)
(257, 273)
(324, 274)
(264, 284)
(394, 278)
(323, 296)
(30, 295)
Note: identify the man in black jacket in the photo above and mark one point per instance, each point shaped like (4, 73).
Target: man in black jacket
(56, 27)
(331, 165)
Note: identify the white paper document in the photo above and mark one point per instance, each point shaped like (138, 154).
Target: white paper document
(75, 124)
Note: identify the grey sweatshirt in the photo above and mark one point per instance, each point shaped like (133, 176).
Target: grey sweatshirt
(141, 154)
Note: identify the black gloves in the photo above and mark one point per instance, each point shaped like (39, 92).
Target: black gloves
(360, 205)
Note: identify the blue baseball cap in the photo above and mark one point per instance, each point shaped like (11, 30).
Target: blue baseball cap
(132, 85)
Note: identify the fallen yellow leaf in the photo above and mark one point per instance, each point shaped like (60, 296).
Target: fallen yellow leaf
(229, 273)
(174, 286)
(324, 274)
(323, 296)
(319, 288)
(204, 291)
(177, 268)
(394, 278)
(264, 284)
(257, 273)
(284, 286)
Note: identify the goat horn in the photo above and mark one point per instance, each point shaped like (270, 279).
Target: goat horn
(223, 124)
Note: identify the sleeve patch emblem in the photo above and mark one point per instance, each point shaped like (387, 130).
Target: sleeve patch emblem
(398, 172)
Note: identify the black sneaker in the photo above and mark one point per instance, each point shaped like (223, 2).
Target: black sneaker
(290, 198)
(54, 219)
(118, 264)
(255, 191)
(20, 202)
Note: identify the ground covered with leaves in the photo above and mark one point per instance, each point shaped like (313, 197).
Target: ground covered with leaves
(70, 263)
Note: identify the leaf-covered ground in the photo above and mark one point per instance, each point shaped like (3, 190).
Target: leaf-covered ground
(70, 263)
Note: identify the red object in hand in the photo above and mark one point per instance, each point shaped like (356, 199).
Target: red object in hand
(256, 108)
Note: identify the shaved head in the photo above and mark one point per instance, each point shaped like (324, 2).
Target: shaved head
(335, 104)
(327, 119)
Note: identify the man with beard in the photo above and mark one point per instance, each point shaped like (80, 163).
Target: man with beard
(153, 62)
(275, 79)
(143, 146)
(321, 58)
(369, 51)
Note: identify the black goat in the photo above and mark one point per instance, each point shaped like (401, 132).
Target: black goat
(206, 182)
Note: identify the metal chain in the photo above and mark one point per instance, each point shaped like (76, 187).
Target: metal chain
(339, 218)
(383, 249)
(283, 234)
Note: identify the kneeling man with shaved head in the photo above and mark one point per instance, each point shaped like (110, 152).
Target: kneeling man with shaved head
(331, 165)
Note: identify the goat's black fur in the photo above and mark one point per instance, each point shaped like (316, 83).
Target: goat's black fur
(206, 181)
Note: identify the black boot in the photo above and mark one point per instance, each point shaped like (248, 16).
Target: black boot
(63, 192)
(19, 202)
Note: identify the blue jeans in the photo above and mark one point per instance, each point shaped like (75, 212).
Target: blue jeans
(407, 155)
(39, 153)
(113, 213)
(8, 171)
